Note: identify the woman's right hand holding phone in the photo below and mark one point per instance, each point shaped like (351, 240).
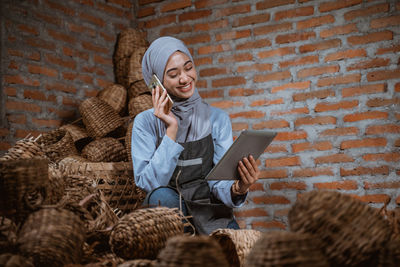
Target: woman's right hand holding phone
(160, 101)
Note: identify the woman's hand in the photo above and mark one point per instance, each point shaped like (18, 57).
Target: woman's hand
(159, 103)
(249, 173)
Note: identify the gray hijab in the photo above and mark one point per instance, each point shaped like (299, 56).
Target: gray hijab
(193, 114)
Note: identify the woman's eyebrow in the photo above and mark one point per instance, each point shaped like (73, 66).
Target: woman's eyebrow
(172, 69)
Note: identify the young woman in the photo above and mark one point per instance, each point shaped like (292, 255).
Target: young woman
(173, 152)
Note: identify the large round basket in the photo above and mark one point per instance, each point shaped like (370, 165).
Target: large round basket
(57, 144)
(22, 186)
(26, 148)
(106, 149)
(139, 104)
(14, 260)
(137, 88)
(188, 251)
(78, 134)
(99, 117)
(52, 237)
(114, 179)
(236, 244)
(135, 65)
(142, 233)
(351, 231)
(116, 96)
(283, 248)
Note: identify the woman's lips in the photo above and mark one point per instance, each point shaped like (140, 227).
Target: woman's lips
(185, 88)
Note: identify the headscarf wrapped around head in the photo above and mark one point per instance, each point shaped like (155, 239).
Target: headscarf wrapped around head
(193, 114)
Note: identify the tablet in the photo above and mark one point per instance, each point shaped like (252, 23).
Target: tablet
(249, 142)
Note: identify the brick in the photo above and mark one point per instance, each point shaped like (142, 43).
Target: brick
(366, 12)
(22, 106)
(17, 79)
(268, 225)
(232, 35)
(282, 162)
(366, 142)
(257, 212)
(382, 156)
(379, 102)
(282, 27)
(34, 56)
(257, 67)
(42, 70)
(338, 30)
(376, 198)
(102, 60)
(266, 102)
(15, 53)
(322, 107)
(175, 29)
(288, 185)
(123, 3)
(345, 55)
(75, 53)
(19, 133)
(49, 19)
(10, 91)
(277, 52)
(275, 76)
(320, 146)
(315, 120)
(113, 10)
(164, 20)
(86, 79)
(315, 22)
(47, 122)
(294, 37)
(386, 50)
(245, 92)
(92, 19)
(299, 61)
(81, 29)
(239, 126)
(385, 22)
(369, 115)
(303, 110)
(66, 38)
(13, 65)
(251, 20)
(223, 23)
(340, 131)
(226, 104)
(383, 75)
(176, 5)
(4, 146)
(40, 43)
(61, 87)
(383, 129)
(293, 13)
(296, 85)
(69, 75)
(248, 114)
(329, 81)
(236, 58)
(340, 185)
(86, 2)
(290, 136)
(4, 132)
(34, 94)
(16, 118)
(368, 64)
(212, 94)
(212, 71)
(194, 15)
(335, 5)
(276, 149)
(370, 38)
(210, 49)
(270, 200)
(316, 71)
(94, 48)
(321, 94)
(266, 4)
(253, 44)
(386, 185)
(271, 124)
(28, 29)
(312, 172)
(59, 7)
(71, 64)
(230, 81)
(146, 11)
(281, 213)
(364, 89)
(334, 158)
(358, 171)
(232, 10)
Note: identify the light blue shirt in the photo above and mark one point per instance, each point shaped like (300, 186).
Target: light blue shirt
(153, 166)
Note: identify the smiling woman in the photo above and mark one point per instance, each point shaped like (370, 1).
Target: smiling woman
(173, 152)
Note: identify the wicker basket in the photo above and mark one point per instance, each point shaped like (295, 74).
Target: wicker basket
(121, 71)
(190, 251)
(236, 244)
(116, 96)
(138, 263)
(351, 231)
(135, 65)
(78, 134)
(139, 104)
(143, 233)
(137, 88)
(283, 248)
(129, 40)
(128, 141)
(22, 186)
(57, 144)
(73, 159)
(114, 179)
(105, 149)
(8, 235)
(56, 185)
(26, 148)
(99, 117)
(52, 237)
(14, 260)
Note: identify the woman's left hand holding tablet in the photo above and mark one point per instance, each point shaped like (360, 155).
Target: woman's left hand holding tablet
(249, 173)
(159, 102)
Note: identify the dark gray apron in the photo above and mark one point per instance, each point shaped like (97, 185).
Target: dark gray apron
(196, 160)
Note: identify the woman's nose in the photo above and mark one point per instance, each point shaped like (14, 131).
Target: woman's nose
(183, 78)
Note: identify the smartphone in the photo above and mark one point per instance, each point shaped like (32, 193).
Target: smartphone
(153, 84)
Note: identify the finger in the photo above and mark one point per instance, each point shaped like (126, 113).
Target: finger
(245, 174)
(249, 166)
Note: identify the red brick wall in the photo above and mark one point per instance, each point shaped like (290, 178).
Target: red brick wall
(53, 55)
(323, 74)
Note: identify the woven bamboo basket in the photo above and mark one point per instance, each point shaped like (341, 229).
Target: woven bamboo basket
(26, 148)
(191, 251)
(139, 104)
(99, 117)
(22, 186)
(52, 237)
(129, 40)
(8, 235)
(106, 149)
(14, 260)
(56, 185)
(138, 263)
(236, 244)
(114, 179)
(121, 71)
(116, 96)
(142, 233)
(128, 141)
(135, 65)
(57, 144)
(389, 256)
(73, 159)
(78, 134)
(351, 231)
(284, 248)
(137, 88)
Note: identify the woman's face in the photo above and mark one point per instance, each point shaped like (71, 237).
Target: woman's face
(180, 75)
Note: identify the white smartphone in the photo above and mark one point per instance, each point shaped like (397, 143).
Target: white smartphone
(153, 84)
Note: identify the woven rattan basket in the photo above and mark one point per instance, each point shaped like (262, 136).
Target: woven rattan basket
(22, 186)
(128, 141)
(135, 65)
(138, 263)
(106, 149)
(52, 237)
(56, 185)
(57, 144)
(236, 244)
(137, 88)
(78, 134)
(8, 235)
(351, 231)
(114, 179)
(129, 40)
(284, 248)
(99, 117)
(14, 260)
(190, 251)
(142, 233)
(24, 149)
(116, 96)
(139, 104)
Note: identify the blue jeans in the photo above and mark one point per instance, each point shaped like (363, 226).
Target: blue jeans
(168, 197)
